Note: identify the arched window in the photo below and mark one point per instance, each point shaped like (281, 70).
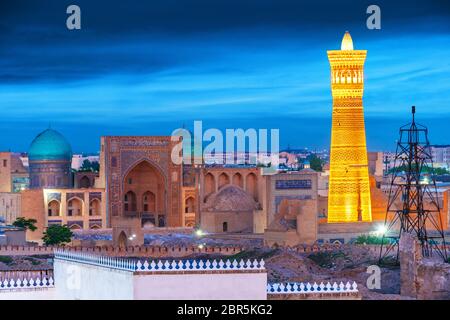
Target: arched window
(161, 221)
(85, 182)
(130, 202)
(122, 240)
(237, 180)
(210, 184)
(223, 179)
(94, 208)
(74, 207)
(225, 227)
(189, 205)
(251, 185)
(148, 202)
(53, 208)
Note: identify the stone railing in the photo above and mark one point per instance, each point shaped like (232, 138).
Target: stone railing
(158, 266)
(200, 265)
(18, 284)
(308, 288)
(132, 251)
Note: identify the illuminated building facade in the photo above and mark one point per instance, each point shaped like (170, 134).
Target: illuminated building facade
(349, 189)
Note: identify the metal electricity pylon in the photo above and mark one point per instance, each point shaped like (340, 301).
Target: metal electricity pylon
(413, 204)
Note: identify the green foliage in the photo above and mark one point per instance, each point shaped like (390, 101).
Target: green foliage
(262, 165)
(428, 170)
(27, 224)
(57, 235)
(88, 166)
(6, 259)
(371, 239)
(315, 162)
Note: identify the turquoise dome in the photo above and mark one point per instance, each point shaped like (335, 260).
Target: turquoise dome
(50, 145)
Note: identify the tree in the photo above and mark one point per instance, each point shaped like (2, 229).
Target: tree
(57, 235)
(436, 171)
(315, 162)
(89, 166)
(27, 224)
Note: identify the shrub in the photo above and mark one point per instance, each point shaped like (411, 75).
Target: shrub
(25, 223)
(371, 239)
(57, 235)
(6, 259)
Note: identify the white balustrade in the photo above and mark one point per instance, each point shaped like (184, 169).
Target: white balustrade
(159, 265)
(31, 283)
(308, 288)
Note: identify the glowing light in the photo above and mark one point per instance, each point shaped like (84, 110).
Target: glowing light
(349, 188)
(347, 42)
(201, 246)
(381, 230)
(199, 233)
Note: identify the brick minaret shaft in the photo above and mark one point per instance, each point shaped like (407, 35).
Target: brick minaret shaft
(349, 189)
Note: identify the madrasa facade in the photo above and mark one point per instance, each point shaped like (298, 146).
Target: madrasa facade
(138, 180)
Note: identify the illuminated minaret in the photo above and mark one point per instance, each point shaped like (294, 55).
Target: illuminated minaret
(349, 189)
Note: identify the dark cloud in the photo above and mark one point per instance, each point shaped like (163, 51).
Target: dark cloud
(35, 44)
(213, 53)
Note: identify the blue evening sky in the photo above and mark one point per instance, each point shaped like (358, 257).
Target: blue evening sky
(148, 67)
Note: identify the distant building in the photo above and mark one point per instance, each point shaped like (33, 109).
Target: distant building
(292, 204)
(78, 159)
(12, 236)
(376, 165)
(13, 174)
(10, 206)
(441, 155)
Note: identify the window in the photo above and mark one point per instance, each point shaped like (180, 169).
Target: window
(129, 201)
(5, 163)
(130, 181)
(74, 207)
(94, 208)
(225, 227)
(53, 208)
(148, 202)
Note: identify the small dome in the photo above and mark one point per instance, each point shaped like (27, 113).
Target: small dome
(50, 145)
(347, 42)
(231, 198)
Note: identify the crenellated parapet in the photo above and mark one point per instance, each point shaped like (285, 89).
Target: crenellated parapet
(130, 251)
